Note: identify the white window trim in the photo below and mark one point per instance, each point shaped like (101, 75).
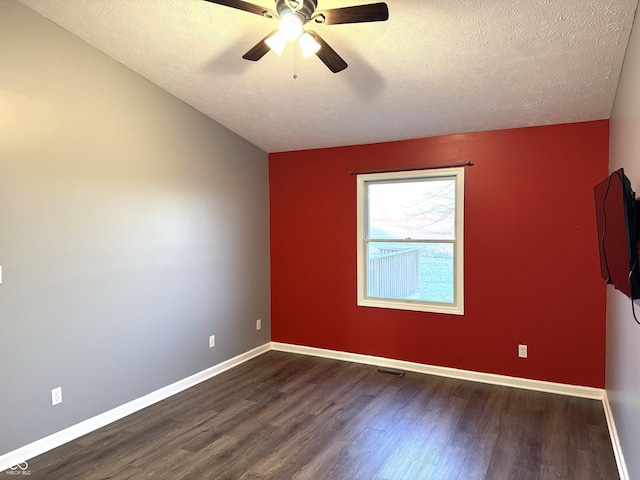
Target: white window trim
(457, 308)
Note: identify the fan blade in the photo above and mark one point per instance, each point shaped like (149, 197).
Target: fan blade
(246, 7)
(374, 12)
(328, 55)
(259, 50)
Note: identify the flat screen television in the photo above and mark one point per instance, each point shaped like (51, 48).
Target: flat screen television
(616, 215)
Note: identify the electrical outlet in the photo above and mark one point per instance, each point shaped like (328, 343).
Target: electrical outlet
(56, 396)
(212, 341)
(258, 324)
(522, 351)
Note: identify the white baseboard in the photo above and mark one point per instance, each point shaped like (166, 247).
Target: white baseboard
(69, 434)
(615, 440)
(549, 387)
(541, 386)
(76, 431)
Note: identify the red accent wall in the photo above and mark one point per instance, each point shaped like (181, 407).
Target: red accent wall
(531, 258)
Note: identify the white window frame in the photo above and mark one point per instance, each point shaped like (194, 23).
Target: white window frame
(455, 308)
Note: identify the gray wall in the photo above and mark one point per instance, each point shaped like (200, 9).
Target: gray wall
(131, 228)
(623, 333)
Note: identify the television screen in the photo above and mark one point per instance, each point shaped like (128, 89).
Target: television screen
(617, 236)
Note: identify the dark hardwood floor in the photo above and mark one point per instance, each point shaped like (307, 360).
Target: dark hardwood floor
(285, 416)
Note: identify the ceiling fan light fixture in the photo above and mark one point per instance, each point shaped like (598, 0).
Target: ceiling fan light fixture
(308, 44)
(290, 29)
(291, 26)
(294, 15)
(277, 42)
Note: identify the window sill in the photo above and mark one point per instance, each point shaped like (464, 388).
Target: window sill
(410, 305)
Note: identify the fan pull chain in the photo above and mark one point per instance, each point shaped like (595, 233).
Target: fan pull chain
(295, 60)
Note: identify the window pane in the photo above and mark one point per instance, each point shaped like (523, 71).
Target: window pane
(418, 209)
(410, 271)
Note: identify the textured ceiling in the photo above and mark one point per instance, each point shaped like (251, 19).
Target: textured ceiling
(435, 67)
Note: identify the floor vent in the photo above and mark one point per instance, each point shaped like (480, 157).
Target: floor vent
(392, 373)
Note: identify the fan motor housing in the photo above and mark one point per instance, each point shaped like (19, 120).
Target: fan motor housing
(305, 8)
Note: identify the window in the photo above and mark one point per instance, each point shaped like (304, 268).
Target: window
(410, 240)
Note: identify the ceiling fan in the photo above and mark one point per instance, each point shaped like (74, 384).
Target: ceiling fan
(294, 15)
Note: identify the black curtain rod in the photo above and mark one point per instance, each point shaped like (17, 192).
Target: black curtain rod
(408, 169)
